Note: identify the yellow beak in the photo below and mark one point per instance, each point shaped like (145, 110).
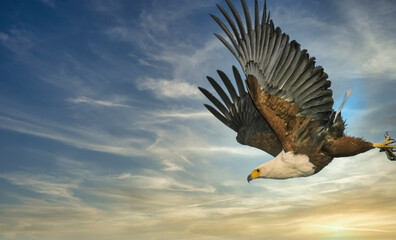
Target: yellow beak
(253, 175)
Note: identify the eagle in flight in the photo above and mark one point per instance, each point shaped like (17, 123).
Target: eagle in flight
(287, 110)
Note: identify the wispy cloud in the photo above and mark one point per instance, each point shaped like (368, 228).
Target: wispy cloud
(48, 2)
(198, 209)
(186, 70)
(97, 102)
(169, 88)
(79, 137)
(17, 40)
(377, 56)
(228, 150)
(155, 181)
(44, 184)
(360, 47)
(176, 114)
(185, 63)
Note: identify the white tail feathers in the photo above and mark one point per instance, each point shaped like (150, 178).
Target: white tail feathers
(346, 96)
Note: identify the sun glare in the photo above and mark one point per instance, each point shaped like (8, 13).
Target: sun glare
(349, 228)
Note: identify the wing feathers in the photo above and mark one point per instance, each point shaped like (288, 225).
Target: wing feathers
(220, 117)
(228, 46)
(221, 92)
(215, 102)
(256, 19)
(280, 67)
(237, 19)
(225, 29)
(238, 79)
(264, 13)
(247, 17)
(241, 115)
(228, 85)
(231, 23)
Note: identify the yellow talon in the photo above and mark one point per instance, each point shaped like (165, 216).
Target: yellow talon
(385, 144)
(386, 147)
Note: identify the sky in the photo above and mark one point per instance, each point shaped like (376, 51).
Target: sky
(103, 133)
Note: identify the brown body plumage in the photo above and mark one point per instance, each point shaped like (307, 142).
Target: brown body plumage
(298, 133)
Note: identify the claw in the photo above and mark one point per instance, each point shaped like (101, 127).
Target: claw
(387, 147)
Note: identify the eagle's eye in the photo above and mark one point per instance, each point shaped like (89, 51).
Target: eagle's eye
(258, 170)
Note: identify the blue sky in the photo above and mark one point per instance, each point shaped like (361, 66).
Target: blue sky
(103, 134)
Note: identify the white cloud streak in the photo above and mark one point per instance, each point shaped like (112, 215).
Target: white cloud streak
(19, 41)
(97, 102)
(79, 137)
(169, 88)
(185, 115)
(44, 184)
(162, 183)
(185, 69)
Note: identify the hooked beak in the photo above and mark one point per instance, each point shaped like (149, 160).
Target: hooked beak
(253, 175)
(249, 178)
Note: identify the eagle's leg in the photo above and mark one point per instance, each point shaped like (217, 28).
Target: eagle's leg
(387, 147)
(346, 146)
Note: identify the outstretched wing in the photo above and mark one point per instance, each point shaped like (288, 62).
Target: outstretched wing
(241, 115)
(290, 92)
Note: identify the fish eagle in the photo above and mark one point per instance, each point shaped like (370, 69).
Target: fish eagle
(287, 109)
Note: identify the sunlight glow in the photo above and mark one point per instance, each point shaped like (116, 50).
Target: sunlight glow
(349, 228)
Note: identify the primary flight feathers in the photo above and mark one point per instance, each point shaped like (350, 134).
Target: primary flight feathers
(241, 115)
(280, 66)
